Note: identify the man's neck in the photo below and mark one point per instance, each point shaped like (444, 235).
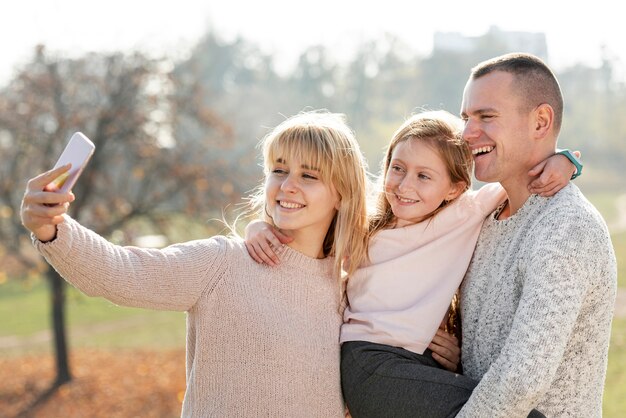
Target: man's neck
(518, 194)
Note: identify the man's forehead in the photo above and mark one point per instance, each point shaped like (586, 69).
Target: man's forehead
(487, 92)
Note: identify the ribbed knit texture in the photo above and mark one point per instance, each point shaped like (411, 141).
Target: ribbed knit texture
(537, 304)
(261, 341)
(400, 297)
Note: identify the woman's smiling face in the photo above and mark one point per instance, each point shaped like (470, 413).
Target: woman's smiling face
(298, 200)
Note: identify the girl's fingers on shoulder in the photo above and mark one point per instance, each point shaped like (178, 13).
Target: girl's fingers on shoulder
(252, 253)
(268, 252)
(271, 238)
(551, 192)
(262, 250)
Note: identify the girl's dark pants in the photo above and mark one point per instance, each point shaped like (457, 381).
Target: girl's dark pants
(383, 381)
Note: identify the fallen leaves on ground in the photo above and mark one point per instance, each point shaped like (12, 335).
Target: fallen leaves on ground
(124, 383)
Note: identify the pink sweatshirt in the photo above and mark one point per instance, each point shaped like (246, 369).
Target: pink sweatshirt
(401, 295)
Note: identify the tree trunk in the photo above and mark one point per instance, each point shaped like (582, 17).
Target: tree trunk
(57, 291)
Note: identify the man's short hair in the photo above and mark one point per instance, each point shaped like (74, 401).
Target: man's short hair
(534, 81)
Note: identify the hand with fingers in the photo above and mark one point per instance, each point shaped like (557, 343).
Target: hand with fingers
(554, 174)
(446, 349)
(262, 239)
(42, 207)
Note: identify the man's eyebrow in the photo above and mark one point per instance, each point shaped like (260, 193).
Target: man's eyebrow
(484, 110)
(479, 112)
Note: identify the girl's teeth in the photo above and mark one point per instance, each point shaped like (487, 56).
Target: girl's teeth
(403, 200)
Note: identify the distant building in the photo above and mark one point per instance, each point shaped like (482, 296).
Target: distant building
(533, 43)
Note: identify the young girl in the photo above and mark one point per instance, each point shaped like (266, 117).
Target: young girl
(260, 341)
(421, 240)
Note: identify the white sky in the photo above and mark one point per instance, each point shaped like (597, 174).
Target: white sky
(575, 30)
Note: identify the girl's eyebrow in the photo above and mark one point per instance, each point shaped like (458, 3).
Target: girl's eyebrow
(421, 167)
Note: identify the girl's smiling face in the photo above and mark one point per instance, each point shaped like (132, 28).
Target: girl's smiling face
(417, 182)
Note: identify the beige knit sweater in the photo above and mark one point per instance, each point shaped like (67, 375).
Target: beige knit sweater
(261, 341)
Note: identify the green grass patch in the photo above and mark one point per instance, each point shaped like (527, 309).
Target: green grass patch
(91, 322)
(614, 403)
(24, 307)
(606, 203)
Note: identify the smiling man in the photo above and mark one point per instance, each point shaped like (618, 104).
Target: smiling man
(537, 300)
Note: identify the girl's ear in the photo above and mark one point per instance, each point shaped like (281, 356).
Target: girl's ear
(455, 190)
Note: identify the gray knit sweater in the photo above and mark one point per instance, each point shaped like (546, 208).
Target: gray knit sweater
(537, 303)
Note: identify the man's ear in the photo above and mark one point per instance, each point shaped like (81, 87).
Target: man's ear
(543, 120)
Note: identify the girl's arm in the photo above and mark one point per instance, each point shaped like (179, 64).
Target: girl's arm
(554, 174)
(261, 238)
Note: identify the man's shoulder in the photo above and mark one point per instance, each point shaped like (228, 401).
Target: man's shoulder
(570, 203)
(569, 216)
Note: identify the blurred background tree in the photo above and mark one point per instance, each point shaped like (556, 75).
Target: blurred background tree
(160, 149)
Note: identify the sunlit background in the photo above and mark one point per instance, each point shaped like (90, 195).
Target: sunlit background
(176, 96)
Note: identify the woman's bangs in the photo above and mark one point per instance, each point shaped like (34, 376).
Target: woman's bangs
(301, 145)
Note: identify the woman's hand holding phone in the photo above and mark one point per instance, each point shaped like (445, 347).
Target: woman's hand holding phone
(49, 195)
(42, 208)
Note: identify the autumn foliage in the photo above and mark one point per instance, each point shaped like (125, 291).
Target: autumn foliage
(123, 383)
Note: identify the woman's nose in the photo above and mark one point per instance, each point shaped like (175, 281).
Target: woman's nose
(289, 184)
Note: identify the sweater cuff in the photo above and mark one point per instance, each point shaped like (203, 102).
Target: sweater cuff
(61, 243)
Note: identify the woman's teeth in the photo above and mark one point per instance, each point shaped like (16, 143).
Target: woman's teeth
(290, 205)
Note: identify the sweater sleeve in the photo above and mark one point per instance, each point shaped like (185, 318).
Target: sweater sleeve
(172, 278)
(559, 269)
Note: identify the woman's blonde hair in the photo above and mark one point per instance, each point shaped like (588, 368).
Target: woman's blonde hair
(323, 140)
(442, 131)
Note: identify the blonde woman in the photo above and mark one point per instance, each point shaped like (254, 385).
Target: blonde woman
(261, 341)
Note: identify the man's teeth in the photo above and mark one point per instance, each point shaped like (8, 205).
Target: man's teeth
(403, 200)
(482, 150)
(290, 205)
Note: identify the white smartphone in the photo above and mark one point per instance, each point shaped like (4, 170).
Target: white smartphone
(78, 151)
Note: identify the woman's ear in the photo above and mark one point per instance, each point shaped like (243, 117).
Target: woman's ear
(338, 204)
